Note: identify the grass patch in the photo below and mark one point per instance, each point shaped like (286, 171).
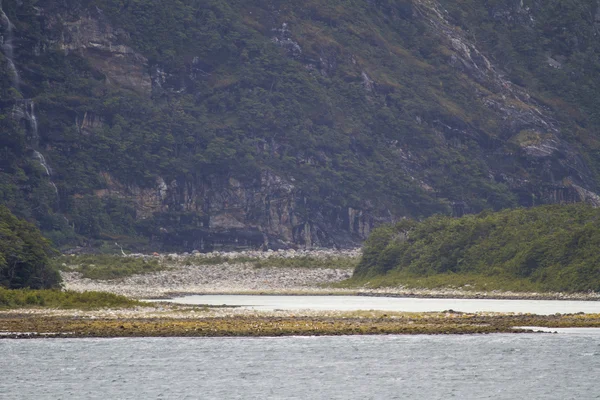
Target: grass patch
(308, 262)
(24, 298)
(217, 260)
(279, 262)
(469, 282)
(106, 267)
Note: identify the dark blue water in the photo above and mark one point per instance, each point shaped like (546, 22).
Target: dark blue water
(544, 366)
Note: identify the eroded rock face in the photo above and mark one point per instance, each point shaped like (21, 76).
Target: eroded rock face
(227, 213)
(103, 46)
(89, 122)
(282, 37)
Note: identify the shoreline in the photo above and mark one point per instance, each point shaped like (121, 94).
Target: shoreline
(176, 321)
(399, 293)
(190, 275)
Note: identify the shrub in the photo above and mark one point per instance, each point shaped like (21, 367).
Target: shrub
(106, 267)
(63, 299)
(553, 248)
(24, 255)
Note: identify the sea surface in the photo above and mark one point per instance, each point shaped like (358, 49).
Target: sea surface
(352, 303)
(519, 366)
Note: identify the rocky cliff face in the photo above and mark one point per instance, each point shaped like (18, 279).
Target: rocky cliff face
(334, 129)
(270, 213)
(95, 39)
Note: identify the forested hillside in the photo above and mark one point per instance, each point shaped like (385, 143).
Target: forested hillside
(554, 248)
(24, 255)
(208, 123)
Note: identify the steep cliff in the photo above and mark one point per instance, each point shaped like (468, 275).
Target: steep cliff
(211, 124)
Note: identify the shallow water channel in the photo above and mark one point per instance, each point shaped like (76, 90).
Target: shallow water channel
(398, 304)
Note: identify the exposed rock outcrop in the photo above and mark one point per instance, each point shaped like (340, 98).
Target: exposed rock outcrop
(271, 213)
(529, 125)
(104, 47)
(89, 122)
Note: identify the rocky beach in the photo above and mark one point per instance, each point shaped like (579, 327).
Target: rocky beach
(221, 272)
(243, 273)
(288, 272)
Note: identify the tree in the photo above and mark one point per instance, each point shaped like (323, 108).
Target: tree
(24, 255)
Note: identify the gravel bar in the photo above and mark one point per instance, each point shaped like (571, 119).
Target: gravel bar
(187, 274)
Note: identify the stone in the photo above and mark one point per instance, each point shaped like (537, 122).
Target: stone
(100, 44)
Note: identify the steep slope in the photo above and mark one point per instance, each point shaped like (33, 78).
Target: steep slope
(275, 123)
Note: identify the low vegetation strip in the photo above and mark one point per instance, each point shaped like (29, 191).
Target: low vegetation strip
(106, 267)
(333, 262)
(548, 248)
(23, 325)
(308, 262)
(309, 259)
(15, 299)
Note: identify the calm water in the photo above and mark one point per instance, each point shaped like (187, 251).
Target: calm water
(544, 366)
(351, 303)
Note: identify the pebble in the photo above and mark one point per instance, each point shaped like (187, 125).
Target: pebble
(187, 275)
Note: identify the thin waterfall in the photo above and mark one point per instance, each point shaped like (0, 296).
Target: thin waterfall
(42, 160)
(30, 116)
(55, 189)
(39, 157)
(24, 109)
(34, 124)
(8, 46)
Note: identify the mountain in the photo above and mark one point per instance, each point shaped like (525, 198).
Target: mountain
(204, 124)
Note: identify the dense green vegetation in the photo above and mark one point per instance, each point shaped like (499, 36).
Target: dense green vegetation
(550, 248)
(106, 267)
(523, 42)
(233, 103)
(332, 262)
(10, 299)
(24, 255)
